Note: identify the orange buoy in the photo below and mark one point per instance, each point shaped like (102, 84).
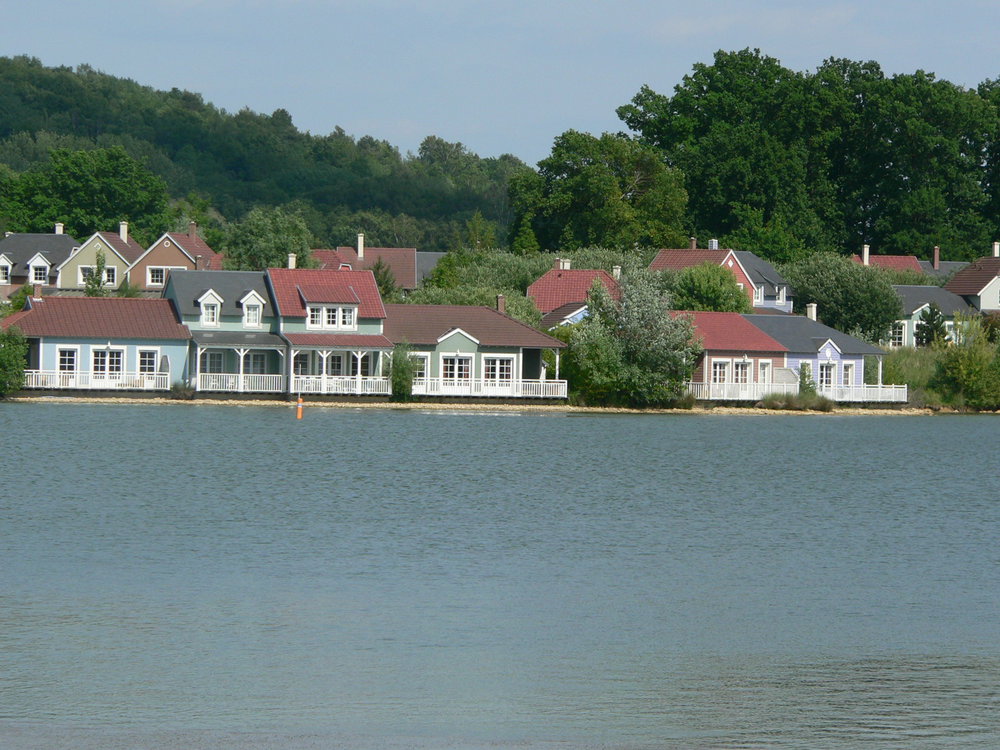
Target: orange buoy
(298, 409)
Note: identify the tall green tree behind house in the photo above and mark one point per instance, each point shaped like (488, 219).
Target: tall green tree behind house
(265, 238)
(88, 191)
(93, 283)
(13, 353)
(931, 327)
(708, 287)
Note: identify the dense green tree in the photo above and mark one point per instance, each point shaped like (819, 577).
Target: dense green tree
(931, 327)
(401, 370)
(631, 351)
(708, 286)
(88, 191)
(518, 306)
(13, 353)
(850, 297)
(93, 283)
(609, 191)
(969, 372)
(386, 281)
(264, 238)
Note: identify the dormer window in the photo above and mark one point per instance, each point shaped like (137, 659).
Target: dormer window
(251, 315)
(332, 317)
(39, 274)
(5, 273)
(211, 309)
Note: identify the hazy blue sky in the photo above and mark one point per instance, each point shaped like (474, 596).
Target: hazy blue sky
(501, 77)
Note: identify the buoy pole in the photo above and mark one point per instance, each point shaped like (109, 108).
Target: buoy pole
(298, 408)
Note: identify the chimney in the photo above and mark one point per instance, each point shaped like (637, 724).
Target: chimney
(713, 244)
(36, 291)
(865, 256)
(616, 272)
(692, 243)
(291, 260)
(557, 264)
(811, 311)
(361, 245)
(123, 230)
(996, 249)
(59, 227)
(566, 263)
(197, 262)
(937, 258)
(501, 304)
(192, 229)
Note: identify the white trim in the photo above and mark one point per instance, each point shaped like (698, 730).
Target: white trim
(210, 297)
(455, 331)
(99, 243)
(5, 276)
(61, 347)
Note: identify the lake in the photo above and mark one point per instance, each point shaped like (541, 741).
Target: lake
(230, 577)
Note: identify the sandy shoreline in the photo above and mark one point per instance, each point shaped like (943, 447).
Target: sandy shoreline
(479, 406)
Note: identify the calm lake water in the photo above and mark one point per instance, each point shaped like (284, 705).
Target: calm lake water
(195, 576)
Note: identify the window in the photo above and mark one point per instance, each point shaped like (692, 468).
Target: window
(764, 372)
(331, 318)
(155, 276)
(457, 368)
(498, 368)
(251, 315)
(826, 371)
(720, 372)
(107, 361)
(211, 362)
(110, 275)
(419, 366)
(897, 334)
(210, 313)
(256, 363)
(781, 295)
(741, 372)
(67, 360)
(147, 361)
(4, 274)
(300, 365)
(848, 373)
(39, 274)
(335, 364)
(758, 294)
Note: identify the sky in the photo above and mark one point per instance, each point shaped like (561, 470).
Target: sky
(499, 77)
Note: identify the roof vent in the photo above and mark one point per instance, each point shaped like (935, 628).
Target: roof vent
(713, 244)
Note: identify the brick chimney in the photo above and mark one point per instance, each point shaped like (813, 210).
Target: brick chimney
(692, 243)
(361, 245)
(937, 258)
(811, 311)
(197, 262)
(192, 229)
(501, 304)
(36, 291)
(291, 260)
(865, 255)
(59, 227)
(123, 230)
(557, 264)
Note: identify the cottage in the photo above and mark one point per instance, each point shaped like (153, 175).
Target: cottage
(915, 300)
(119, 249)
(173, 251)
(560, 293)
(32, 258)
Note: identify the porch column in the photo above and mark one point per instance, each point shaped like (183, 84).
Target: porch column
(292, 354)
(197, 368)
(880, 371)
(241, 353)
(358, 356)
(557, 364)
(324, 371)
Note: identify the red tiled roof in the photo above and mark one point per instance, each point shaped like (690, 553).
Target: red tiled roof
(724, 331)
(558, 287)
(425, 324)
(194, 246)
(676, 260)
(973, 278)
(289, 285)
(99, 318)
(346, 340)
(893, 262)
(402, 261)
(130, 250)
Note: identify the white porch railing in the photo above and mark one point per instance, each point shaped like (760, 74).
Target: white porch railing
(890, 394)
(896, 394)
(350, 385)
(96, 381)
(231, 382)
(489, 388)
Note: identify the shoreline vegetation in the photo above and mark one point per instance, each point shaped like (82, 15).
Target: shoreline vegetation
(486, 407)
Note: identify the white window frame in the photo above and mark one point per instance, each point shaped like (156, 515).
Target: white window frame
(457, 357)
(107, 352)
(781, 295)
(741, 371)
(209, 356)
(253, 315)
(758, 293)
(897, 334)
(827, 374)
(331, 317)
(338, 358)
(492, 364)
(76, 358)
(764, 371)
(138, 360)
(34, 274)
(207, 302)
(5, 269)
(720, 370)
(256, 363)
(421, 365)
(847, 373)
(166, 270)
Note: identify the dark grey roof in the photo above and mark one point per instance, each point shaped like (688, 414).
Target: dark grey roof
(799, 334)
(23, 246)
(761, 272)
(914, 297)
(254, 340)
(945, 270)
(187, 287)
(426, 262)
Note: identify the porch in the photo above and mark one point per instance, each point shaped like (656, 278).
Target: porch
(489, 387)
(885, 394)
(348, 385)
(238, 362)
(97, 381)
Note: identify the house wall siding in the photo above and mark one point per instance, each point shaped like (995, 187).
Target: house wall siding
(69, 274)
(162, 255)
(175, 351)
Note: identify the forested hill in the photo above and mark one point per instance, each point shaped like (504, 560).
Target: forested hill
(232, 162)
